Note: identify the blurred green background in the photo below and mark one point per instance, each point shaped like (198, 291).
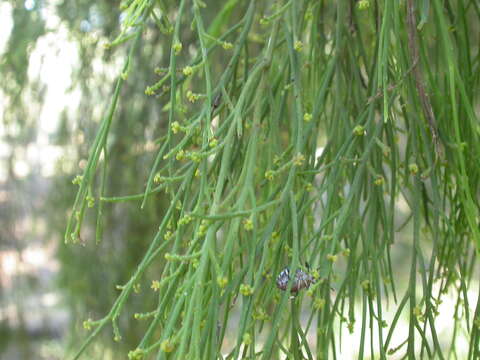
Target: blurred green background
(56, 81)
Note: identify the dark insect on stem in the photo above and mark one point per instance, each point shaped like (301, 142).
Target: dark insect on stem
(216, 102)
(302, 280)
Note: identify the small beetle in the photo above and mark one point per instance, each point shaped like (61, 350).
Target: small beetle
(302, 280)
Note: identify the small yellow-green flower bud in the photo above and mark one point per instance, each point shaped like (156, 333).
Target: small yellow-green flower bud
(246, 290)
(248, 224)
(90, 201)
(379, 181)
(476, 322)
(298, 46)
(176, 127)
(359, 130)
(177, 47)
(155, 285)
(167, 235)
(180, 155)
(259, 314)
(187, 70)
(350, 327)
(247, 339)
(299, 160)
(194, 156)
(87, 324)
(77, 180)
(277, 159)
(222, 281)
(157, 179)
(269, 174)
(136, 354)
(202, 230)
(318, 303)
(185, 220)
(413, 168)
(417, 311)
(167, 346)
(264, 21)
(308, 15)
(191, 96)
(365, 284)
(363, 4)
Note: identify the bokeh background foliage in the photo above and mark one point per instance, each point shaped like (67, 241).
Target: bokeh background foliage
(241, 137)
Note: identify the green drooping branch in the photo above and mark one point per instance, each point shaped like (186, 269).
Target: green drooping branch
(310, 155)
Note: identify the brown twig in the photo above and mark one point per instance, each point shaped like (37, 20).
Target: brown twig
(418, 76)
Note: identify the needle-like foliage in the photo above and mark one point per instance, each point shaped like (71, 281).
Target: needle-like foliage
(342, 134)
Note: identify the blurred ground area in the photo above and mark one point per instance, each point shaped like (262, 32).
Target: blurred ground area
(33, 315)
(37, 64)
